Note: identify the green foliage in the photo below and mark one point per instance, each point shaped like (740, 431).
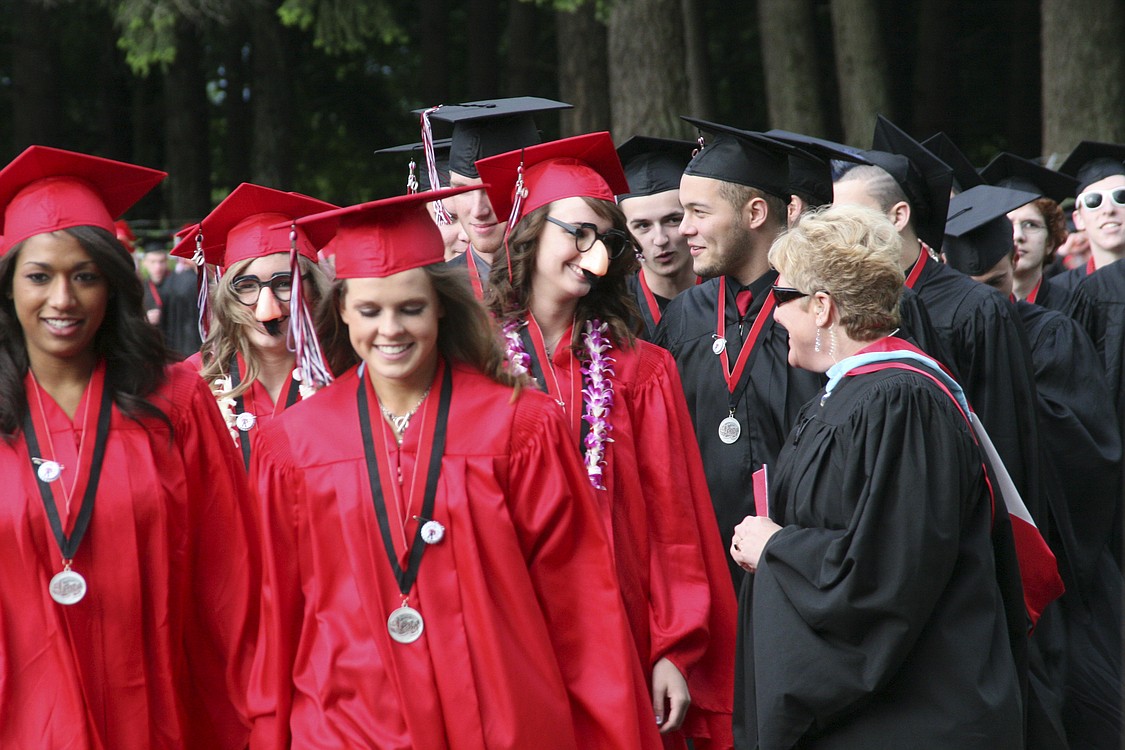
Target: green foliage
(343, 26)
(601, 7)
(148, 27)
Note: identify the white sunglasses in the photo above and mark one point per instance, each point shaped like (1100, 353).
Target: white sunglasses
(1093, 199)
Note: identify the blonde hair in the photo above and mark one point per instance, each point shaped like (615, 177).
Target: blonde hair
(853, 254)
(230, 320)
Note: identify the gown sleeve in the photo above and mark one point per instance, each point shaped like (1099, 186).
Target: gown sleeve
(571, 567)
(225, 564)
(692, 608)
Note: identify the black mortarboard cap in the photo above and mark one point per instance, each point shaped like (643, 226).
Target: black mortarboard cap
(978, 233)
(965, 175)
(810, 164)
(653, 165)
(491, 126)
(1091, 161)
(1011, 171)
(416, 153)
(742, 157)
(924, 178)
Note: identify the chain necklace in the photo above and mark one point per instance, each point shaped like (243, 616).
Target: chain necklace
(401, 423)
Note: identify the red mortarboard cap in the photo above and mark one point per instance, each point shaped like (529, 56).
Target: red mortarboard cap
(585, 165)
(242, 226)
(46, 189)
(379, 238)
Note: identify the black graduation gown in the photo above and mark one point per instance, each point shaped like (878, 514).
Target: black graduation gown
(875, 618)
(177, 298)
(1080, 643)
(990, 352)
(1053, 296)
(917, 328)
(1099, 307)
(648, 329)
(462, 261)
(1069, 279)
(768, 396)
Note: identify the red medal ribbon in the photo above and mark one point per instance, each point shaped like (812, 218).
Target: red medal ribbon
(650, 298)
(155, 295)
(573, 406)
(1035, 292)
(1090, 267)
(916, 270)
(88, 424)
(474, 273)
(764, 314)
(388, 478)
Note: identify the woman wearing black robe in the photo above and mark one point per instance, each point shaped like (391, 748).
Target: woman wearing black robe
(874, 617)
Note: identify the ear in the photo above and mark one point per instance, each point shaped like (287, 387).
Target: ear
(793, 210)
(899, 214)
(755, 213)
(1078, 219)
(825, 309)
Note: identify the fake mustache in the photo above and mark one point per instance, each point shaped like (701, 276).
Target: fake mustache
(273, 327)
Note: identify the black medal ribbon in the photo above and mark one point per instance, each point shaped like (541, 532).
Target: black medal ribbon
(240, 406)
(406, 577)
(68, 546)
(538, 374)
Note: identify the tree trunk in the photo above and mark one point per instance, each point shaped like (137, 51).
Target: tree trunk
(523, 48)
(861, 68)
(789, 58)
(483, 40)
(583, 78)
(1023, 94)
(1083, 74)
(34, 109)
(272, 153)
(934, 102)
(186, 121)
(698, 61)
(433, 44)
(238, 138)
(647, 78)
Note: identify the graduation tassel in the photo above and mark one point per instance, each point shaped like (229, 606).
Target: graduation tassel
(517, 207)
(302, 339)
(440, 213)
(203, 318)
(411, 179)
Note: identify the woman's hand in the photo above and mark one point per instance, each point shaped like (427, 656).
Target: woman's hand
(750, 539)
(669, 691)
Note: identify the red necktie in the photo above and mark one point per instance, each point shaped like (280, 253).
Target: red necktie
(743, 300)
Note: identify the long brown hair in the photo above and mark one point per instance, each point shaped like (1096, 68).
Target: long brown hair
(466, 333)
(609, 299)
(231, 319)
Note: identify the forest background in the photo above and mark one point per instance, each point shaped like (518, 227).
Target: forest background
(298, 94)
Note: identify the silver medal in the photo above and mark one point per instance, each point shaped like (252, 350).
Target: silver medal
(297, 374)
(49, 471)
(405, 624)
(432, 532)
(67, 587)
(729, 430)
(245, 421)
(719, 345)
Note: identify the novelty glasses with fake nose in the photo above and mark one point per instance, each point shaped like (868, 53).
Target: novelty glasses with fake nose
(247, 289)
(586, 234)
(1094, 199)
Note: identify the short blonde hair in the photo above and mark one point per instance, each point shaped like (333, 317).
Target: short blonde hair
(853, 254)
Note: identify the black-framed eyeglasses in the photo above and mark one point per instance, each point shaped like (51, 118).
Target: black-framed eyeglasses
(586, 234)
(783, 294)
(247, 289)
(1093, 199)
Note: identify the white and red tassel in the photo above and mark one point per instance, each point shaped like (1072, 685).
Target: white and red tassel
(441, 215)
(311, 370)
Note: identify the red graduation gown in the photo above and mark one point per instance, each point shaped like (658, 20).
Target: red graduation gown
(157, 653)
(525, 641)
(670, 559)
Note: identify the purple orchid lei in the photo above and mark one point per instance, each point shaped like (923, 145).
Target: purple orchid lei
(597, 395)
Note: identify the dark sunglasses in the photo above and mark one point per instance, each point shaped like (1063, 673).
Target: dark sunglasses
(1093, 199)
(586, 234)
(783, 294)
(247, 289)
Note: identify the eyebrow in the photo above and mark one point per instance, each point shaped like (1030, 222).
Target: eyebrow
(44, 264)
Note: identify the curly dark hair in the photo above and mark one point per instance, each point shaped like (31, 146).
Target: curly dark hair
(609, 299)
(133, 349)
(1056, 226)
(466, 332)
